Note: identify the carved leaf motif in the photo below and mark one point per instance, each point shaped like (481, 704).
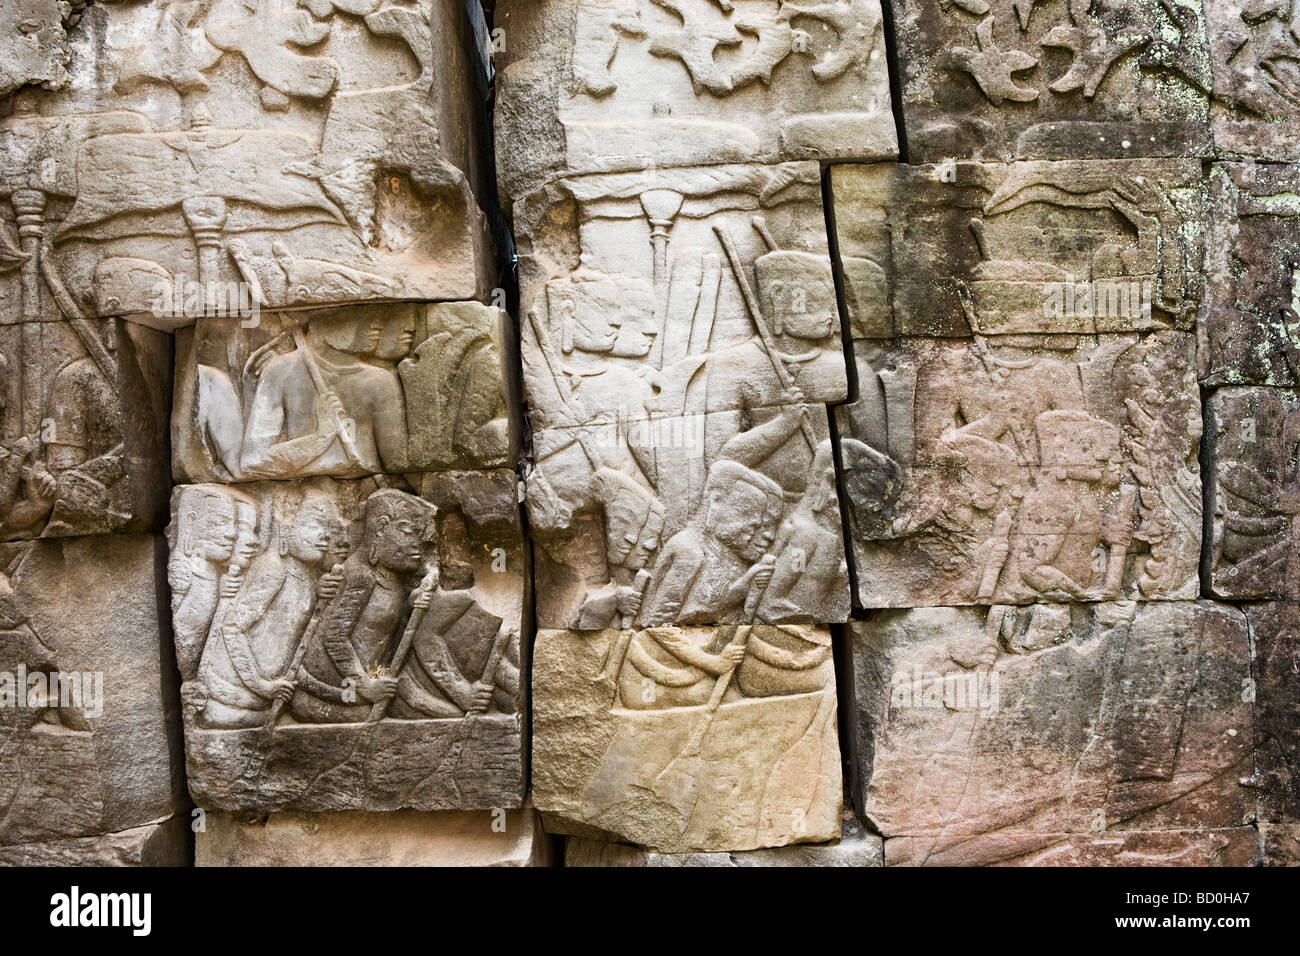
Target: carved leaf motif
(263, 32)
(855, 22)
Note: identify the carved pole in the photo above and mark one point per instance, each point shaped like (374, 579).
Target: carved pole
(29, 208)
(206, 217)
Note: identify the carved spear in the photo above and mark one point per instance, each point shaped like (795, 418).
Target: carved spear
(403, 650)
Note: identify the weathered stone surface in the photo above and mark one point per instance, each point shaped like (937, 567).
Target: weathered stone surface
(1056, 732)
(1004, 79)
(1252, 256)
(89, 740)
(1275, 629)
(33, 44)
(1251, 433)
(399, 838)
(84, 412)
(1253, 52)
(675, 431)
(590, 86)
(855, 847)
(659, 737)
(166, 843)
(418, 388)
(347, 646)
(1281, 843)
(1081, 247)
(1228, 846)
(1015, 469)
(271, 153)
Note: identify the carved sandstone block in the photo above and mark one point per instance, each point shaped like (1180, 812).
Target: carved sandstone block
(350, 646)
(89, 743)
(855, 847)
(418, 388)
(1253, 106)
(168, 843)
(1020, 469)
(1055, 732)
(217, 158)
(687, 740)
(1275, 628)
(590, 86)
(84, 435)
(1252, 434)
(680, 340)
(1006, 79)
(1084, 246)
(1253, 254)
(356, 838)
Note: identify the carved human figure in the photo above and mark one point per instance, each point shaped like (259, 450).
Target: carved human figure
(634, 521)
(810, 574)
(752, 416)
(245, 661)
(1060, 523)
(21, 646)
(26, 488)
(593, 397)
(205, 529)
(344, 668)
(220, 420)
(320, 409)
(716, 568)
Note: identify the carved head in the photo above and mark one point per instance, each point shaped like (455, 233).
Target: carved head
(634, 519)
(356, 334)
(742, 508)
(586, 314)
(398, 335)
(987, 467)
(307, 537)
(397, 527)
(796, 291)
(247, 540)
(637, 324)
(207, 520)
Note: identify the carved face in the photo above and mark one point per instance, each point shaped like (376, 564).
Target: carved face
(309, 536)
(737, 516)
(217, 529)
(637, 329)
(397, 338)
(803, 312)
(398, 543)
(246, 544)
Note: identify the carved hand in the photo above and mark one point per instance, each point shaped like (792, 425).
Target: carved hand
(375, 689)
(482, 698)
(628, 601)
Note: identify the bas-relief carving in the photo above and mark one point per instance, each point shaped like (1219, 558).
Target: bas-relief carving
(83, 751)
(1256, 91)
(295, 154)
(680, 338)
(1122, 725)
(1254, 435)
(34, 44)
(1276, 645)
(1011, 79)
(1007, 470)
(82, 428)
(1084, 246)
(366, 389)
(1251, 326)
(626, 84)
(688, 739)
(348, 645)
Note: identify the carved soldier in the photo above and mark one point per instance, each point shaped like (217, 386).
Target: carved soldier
(1060, 524)
(810, 578)
(714, 570)
(320, 409)
(202, 543)
(595, 397)
(752, 417)
(344, 667)
(634, 521)
(246, 657)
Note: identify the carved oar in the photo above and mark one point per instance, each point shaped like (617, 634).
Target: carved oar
(257, 759)
(614, 663)
(403, 650)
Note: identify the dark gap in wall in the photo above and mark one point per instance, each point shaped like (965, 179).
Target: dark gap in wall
(895, 75)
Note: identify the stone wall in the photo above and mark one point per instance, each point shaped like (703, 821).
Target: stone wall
(648, 432)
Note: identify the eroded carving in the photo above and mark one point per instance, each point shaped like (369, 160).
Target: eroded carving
(676, 392)
(329, 629)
